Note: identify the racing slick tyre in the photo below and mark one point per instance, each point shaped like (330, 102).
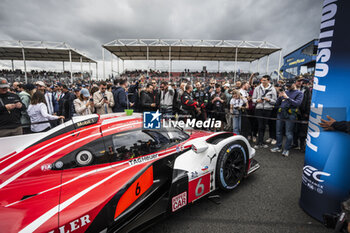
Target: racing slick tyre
(231, 165)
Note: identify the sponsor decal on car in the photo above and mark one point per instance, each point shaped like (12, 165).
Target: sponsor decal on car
(198, 187)
(179, 201)
(313, 178)
(143, 159)
(204, 169)
(139, 187)
(73, 225)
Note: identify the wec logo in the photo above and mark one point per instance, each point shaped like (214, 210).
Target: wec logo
(311, 171)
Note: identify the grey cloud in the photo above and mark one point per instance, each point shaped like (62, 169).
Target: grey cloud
(87, 24)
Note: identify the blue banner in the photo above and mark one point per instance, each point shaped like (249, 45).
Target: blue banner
(326, 173)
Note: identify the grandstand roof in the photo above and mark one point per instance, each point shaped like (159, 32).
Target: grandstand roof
(40, 51)
(204, 50)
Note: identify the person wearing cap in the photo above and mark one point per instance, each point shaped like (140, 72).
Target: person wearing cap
(84, 105)
(10, 111)
(288, 103)
(50, 100)
(301, 129)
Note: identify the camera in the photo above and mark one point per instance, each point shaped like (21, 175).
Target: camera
(91, 100)
(283, 88)
(105, 97)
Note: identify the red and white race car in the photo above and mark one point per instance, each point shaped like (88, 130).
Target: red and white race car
(108, 174)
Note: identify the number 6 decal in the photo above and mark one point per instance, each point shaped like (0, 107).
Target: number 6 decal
(198, 187)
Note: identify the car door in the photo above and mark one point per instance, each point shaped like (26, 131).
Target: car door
(85, 171)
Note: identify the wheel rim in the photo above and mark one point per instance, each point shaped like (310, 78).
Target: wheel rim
(233, 167)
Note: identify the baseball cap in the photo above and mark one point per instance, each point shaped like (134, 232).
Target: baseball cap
(40, 83)
(290, 82)
(29, 86)
(85, 92)
(4, 83)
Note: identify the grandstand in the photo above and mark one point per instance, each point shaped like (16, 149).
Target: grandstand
(196, 50)
(41, 51)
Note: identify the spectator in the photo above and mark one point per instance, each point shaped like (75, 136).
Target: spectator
(84, 105)
(180, 91)
(166, 99)
(202, 98)
(121, 97)
(288, 103)
(25, 96)
(10, 111)
(66, 107)
(147, 99)
(15, 87)
(103, 100)
(38, 112)
(211, 88)
(245, 121)
(236, 105)
(188, 105)
(218, 101)
(264, 97)
(50, 100)
(301, 129)
(56, 94)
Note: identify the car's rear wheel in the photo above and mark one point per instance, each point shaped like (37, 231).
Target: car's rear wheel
(231, 166)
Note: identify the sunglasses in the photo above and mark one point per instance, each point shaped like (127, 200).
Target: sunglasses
(103, 88)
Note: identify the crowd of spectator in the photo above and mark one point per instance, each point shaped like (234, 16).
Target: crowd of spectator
(244, 107)
(43, 75)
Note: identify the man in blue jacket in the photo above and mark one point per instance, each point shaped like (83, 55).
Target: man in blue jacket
(120, 97)
(287, 104)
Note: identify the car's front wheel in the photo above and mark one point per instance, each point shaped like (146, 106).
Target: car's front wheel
(231, 166)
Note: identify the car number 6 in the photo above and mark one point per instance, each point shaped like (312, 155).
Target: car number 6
(138, 189)
(199, 187)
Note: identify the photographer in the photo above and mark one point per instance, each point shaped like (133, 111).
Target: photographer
(264, 97)
(288, 102)
(103, 100)
(10, 111)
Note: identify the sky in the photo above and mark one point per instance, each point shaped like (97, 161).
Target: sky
(86, 25)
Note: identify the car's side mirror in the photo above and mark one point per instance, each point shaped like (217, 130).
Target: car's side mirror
(199, 147)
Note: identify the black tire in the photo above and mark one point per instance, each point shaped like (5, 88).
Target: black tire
(231, 165)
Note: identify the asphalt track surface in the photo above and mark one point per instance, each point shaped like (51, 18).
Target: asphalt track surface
(267, 201)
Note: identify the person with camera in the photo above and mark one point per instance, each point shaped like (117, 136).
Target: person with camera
(264, 97)
(10, 111)
(84, 104)
(288, 103)
(148, 102)
(219, 102)
(237, 103)
(103, 100)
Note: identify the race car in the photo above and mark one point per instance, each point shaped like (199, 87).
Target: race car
(109, 174)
